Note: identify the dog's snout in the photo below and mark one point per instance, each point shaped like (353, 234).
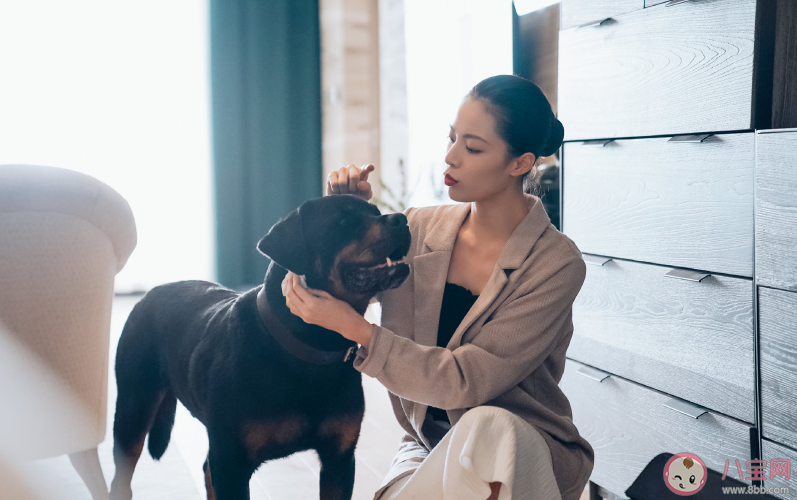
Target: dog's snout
(397, 219)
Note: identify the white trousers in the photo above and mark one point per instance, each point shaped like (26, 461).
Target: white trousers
(488, 444)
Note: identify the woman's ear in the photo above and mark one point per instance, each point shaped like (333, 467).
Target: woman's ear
(285, 244)
(524, 163)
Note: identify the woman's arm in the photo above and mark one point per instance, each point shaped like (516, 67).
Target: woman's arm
(508, 348)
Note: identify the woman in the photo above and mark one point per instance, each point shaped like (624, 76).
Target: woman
(490, 296)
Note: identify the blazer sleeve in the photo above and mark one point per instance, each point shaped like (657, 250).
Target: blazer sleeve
(507, 349)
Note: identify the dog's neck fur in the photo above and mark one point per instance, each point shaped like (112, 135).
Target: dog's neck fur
(312, 335)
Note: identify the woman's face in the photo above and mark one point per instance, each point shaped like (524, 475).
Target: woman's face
(476, 156)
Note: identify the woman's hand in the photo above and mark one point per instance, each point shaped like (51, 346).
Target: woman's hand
(317, 307)
(351, 180)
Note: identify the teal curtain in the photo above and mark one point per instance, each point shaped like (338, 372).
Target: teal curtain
(265, 66)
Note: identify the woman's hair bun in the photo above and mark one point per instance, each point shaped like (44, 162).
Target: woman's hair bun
(556, 133)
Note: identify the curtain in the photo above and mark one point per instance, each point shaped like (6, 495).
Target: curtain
(265, 70)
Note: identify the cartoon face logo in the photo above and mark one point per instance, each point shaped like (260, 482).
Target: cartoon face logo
(685, 474)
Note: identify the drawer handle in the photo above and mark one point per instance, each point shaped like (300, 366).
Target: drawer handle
(686, 274)
(682, 406)
(597, 22)
(599, 142)
(675, 2)
(690, 138)
(592, 373)
(595, 260)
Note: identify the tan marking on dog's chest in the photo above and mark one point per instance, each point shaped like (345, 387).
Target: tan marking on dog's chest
(346, 429)
(265, 433)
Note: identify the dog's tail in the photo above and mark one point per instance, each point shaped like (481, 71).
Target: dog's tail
(161, 430)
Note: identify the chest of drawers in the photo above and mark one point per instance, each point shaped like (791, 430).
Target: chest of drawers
(685, 206)
(776, 279)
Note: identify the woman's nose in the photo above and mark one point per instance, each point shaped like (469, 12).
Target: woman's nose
(450, 156)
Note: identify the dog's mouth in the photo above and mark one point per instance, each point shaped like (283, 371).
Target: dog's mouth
(392, 260)
(374, 277)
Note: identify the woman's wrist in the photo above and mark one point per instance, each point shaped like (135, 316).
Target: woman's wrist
(361, 332)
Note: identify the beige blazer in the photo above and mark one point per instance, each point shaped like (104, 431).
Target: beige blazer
(509, 350)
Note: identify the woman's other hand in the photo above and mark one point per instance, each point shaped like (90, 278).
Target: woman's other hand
(351, 180)
(317, 307)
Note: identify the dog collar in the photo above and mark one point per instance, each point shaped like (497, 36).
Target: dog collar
(290, 343)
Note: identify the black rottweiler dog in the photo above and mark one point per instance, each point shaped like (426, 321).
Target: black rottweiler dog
(265, 383)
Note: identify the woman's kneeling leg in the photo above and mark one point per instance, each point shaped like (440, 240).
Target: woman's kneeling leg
(488, 445)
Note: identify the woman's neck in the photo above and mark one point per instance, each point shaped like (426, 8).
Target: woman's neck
(495, 219)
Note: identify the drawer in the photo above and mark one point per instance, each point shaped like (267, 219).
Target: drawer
(777, 326)
(628, 424)
(673, 203)
(690, 339)
(658, 71)
(579, 12)
(776, 209)
(774, 451)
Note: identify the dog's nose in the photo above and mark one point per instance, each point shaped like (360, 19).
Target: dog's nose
(396, 219)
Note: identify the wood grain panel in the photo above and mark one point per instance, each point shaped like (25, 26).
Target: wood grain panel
(627, 425)
(776, 210)
(777, 317)
(578, 12)
(774, 451)
(693, 340)
(679, 204)
(660, 70)
(784, 91)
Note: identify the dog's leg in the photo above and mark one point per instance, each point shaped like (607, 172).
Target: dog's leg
(131, 423)
(208, 480)
(338, 437)
(337, 474)
(229, 471)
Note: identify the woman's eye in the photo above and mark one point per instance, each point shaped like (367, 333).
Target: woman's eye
(473, 150)
(450, 139)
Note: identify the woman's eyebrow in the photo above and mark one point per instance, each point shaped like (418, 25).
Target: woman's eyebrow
(470, 136)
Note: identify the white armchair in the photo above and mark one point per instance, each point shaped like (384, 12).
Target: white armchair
(63, 237)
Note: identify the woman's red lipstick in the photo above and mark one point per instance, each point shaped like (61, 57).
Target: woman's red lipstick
(450, 180)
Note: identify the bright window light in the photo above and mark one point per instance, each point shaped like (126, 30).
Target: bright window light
(523, 7)
(119, 91)
(451, 46)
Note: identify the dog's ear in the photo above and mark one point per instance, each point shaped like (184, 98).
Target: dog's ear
(285, 244)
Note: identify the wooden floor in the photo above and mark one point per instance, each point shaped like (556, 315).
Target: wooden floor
(178, 475)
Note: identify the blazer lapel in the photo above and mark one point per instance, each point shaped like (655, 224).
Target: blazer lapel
(430, 270)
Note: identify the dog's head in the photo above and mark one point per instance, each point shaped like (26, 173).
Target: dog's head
(343, 245)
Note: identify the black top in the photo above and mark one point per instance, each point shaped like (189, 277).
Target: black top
(457, 301)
